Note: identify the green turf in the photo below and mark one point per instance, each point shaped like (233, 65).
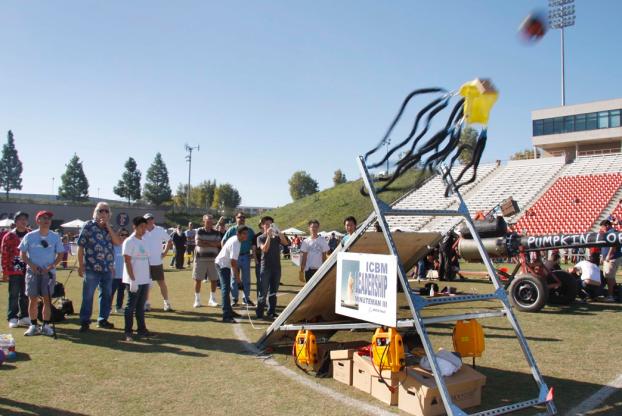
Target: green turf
(198, 366)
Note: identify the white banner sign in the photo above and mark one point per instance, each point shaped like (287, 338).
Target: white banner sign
(366, 287)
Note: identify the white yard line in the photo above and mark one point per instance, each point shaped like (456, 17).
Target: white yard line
(597, 398)
(307, 382)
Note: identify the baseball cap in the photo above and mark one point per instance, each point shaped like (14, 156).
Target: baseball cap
(148, 216)
(20, 214)
(44, 213)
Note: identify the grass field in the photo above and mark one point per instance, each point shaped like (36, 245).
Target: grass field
(197, 365)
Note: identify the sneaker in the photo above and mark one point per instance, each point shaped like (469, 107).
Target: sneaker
(25, 322)
(197, 304)
(273, 315)
(235, 304)
(13, 323)
(32, 330)
(119, 311)
(84, 327)
(212, 303)
(47, 330)
(168, 307)
(147, 306)
(104, 324)
(128, 338)
(229, 321)
(248, 302)
(609, 299)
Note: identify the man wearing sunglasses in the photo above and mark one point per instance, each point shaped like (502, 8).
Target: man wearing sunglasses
(96, 265)
(41, 250)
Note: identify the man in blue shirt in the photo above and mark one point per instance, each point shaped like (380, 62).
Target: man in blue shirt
(247, 250)
(96, 265)
(41, 250)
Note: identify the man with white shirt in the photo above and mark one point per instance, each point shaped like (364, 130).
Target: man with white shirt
(136, 275)
(154, 239)
(590, 279)
(313, 250)
(226, 263)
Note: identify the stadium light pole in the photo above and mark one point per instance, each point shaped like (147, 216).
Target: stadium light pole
(189, 149)
(562, 15)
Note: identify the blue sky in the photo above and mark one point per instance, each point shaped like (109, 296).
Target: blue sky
(270, 87)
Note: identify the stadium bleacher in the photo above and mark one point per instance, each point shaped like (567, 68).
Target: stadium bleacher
(571, 205)
(509, 180)
(431, 195)
(546, 189)
(587, 165)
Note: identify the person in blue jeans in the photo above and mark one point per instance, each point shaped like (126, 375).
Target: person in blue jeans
(227, 262)
(118, 287)
(247, 250)
(96, 265)
(270, 276)
(137, 276)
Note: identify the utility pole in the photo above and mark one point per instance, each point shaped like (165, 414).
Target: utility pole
(189, 149)
(561, 15)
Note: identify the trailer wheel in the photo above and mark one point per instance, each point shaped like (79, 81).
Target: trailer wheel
(527, 293)
(567, 293)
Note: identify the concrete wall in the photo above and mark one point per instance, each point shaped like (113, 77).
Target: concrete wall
(568, 110)
(68, 212)
(588, 140)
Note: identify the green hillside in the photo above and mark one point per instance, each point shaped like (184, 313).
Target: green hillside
(332, 205)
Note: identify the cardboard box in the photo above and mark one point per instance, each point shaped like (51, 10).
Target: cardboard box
(418, 394)
(361, 373)
(365, 378)
(389, 392)
(342, 354)
(342, 365)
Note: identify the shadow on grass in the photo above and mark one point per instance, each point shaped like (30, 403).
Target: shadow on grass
(186, 316)
(12, 407)
(583, 309)
(506, 387)
(163, 342)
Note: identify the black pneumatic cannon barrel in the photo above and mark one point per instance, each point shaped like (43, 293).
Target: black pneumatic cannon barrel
(495, 247)
(509, 245)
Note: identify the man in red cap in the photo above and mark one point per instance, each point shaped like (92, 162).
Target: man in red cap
(41, 250)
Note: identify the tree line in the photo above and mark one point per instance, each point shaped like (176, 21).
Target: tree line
(156, 191)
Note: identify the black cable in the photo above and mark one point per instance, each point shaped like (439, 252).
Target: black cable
(400, 113)
(435, 106)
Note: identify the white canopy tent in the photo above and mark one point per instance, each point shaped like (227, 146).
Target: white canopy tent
(7, 222)
(293, 231)
(328, 233)
(77, 223)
